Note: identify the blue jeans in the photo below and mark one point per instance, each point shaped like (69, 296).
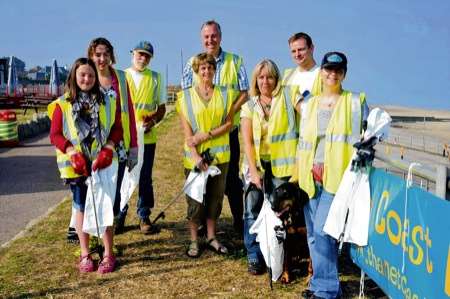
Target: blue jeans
(323, 248)
(252, 206)
(79, 192)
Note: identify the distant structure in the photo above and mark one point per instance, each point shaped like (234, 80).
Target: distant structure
(4, 68)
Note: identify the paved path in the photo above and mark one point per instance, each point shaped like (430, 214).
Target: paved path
(29, 184)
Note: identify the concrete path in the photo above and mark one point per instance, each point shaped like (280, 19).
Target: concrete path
(29, 184)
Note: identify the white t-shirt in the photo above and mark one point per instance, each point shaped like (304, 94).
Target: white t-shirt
(137, 77)
(304, 79)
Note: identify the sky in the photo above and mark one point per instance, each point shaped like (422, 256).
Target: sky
(398, 51)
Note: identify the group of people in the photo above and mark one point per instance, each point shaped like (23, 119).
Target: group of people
(299, 127)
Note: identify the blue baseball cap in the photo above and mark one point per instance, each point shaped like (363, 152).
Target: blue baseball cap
(334, 60)
(144, 46)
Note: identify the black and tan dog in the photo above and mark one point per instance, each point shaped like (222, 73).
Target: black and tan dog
(287, 202)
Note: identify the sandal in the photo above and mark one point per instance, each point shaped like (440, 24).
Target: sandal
(220, 249)
(86, 264)
(107, 265)
(194, 250)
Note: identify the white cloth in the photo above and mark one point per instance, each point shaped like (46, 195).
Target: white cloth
(195, 185)
(353, 194)
(305, 80)
(102, 186)
(271, 249)
(131, 178)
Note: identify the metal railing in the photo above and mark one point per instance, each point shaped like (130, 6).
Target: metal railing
(433, 176)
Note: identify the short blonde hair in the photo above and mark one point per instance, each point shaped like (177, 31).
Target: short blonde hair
(201, 59)
(273, 71)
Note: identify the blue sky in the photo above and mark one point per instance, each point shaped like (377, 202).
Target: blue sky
(398, 51)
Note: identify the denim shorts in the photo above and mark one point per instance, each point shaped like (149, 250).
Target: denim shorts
(79, 191)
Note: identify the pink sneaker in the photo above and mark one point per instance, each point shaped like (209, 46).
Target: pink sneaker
(86, 264)
(107, 265)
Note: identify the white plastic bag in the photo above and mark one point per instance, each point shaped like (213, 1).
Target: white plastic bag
(264, 227)
(352, 197)
(102, 186)
(195, 185)
(131, 179)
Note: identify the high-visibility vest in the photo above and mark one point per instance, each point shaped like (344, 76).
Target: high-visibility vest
(344, 129)
(282, 133)
(204, 117)
(124, 111)
(146, 98)
(228, 75)
(107, 114)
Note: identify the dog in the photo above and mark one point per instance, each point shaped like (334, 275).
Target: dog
(287, 202)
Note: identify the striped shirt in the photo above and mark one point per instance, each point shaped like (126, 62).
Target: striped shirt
(188, 73)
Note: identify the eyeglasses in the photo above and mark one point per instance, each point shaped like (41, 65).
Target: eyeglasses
(332, 70)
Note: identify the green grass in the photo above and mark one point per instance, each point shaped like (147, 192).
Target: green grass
(42, 264)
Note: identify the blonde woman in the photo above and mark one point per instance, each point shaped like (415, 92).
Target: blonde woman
(269, 133)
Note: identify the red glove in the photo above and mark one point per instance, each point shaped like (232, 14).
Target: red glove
(78, 163)
(104, 159)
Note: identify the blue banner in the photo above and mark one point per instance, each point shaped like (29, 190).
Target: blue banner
(408, 253)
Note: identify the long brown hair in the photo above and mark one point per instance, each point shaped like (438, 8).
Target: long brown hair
(101, 41)
(71, 86)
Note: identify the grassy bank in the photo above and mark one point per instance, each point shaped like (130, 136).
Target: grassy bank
(42, 264)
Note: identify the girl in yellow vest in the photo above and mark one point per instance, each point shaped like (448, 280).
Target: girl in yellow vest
(203, 111)
(269, 133)
(330, 124)
(85, 127)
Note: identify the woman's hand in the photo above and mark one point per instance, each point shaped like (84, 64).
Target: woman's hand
(197, 139)
(199, 163)
(255, 178)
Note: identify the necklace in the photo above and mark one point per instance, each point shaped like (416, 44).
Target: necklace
(328, 102)
(205, 93)
(266, 106)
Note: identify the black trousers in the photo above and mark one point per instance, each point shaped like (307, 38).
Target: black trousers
(234, 187)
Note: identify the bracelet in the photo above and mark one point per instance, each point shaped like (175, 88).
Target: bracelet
(210, 135)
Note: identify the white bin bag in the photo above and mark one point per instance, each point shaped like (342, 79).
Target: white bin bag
(195, 185)
(353, 194)
(101, 186)
(131, 178)
(271, 249)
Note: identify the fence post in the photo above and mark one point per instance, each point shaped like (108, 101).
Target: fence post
(441, 181)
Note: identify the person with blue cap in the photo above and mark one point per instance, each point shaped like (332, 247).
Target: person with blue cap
(331, 123)
(148, 95)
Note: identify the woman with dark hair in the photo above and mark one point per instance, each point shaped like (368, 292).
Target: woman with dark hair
(85, 128)
(113, 81)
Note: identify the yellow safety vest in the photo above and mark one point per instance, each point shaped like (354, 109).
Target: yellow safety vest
(107, 114)
(344, 129)
(146, 98)
(282, 132)
(228, 76)
(204, 117)
(124, 111)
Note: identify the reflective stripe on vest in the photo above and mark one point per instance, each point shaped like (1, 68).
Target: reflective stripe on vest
(145, 98)
(124, 115)
(106, 119)
(343, 131)
(214, 150)
(190, 109)
(282, 134)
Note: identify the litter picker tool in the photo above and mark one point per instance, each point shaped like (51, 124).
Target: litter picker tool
(206, 158)
(99, 247)
(269, 262)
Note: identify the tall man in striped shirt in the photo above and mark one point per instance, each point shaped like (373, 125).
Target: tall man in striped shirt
(230, 73)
